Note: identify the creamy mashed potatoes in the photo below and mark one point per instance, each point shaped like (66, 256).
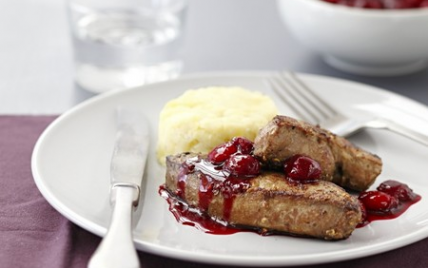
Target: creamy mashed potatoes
(201, 119)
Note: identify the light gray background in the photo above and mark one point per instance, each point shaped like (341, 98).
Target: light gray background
(36, 62)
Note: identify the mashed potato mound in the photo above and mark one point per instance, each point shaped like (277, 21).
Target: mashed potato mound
(201, 119)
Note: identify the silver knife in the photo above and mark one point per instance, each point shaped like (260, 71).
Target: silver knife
(127, 170)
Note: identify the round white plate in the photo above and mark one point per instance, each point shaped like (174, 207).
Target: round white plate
(71, 163)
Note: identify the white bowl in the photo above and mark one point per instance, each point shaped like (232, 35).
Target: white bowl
(360, 41)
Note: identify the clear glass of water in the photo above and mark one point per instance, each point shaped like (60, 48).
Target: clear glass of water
(126, 43)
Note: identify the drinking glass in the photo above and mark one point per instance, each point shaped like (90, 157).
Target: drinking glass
(126, 43)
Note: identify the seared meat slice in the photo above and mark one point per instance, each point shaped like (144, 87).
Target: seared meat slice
(269, 201)
(341, 161)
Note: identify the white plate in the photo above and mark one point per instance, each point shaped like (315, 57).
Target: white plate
(71, 162)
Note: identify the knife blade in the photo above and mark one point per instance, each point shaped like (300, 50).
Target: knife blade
(127, 171)
(130, 151)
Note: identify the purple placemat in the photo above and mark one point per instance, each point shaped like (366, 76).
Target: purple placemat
(33, 234)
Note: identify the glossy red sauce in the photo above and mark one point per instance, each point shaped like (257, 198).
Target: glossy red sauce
(395, 214)
(376, 207)
(194, 217)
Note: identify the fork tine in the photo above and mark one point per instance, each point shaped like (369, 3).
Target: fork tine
(292, 95)
(318, 103)
(301, 99)
(288, 97)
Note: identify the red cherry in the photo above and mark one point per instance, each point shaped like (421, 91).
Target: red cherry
(424, 3)
(244, 145)
(374, 4)
(242, 165)
(397, 189)
(378, 202)
(413, 3)
(222, 152)
(301, 167)
(365, 3)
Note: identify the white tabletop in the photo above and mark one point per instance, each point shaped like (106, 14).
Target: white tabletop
(36, 62)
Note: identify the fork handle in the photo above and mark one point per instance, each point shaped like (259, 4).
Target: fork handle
(407, 132)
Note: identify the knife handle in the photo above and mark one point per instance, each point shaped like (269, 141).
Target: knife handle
(117, 248)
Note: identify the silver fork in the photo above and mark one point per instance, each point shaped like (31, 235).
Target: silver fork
(313, 109)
